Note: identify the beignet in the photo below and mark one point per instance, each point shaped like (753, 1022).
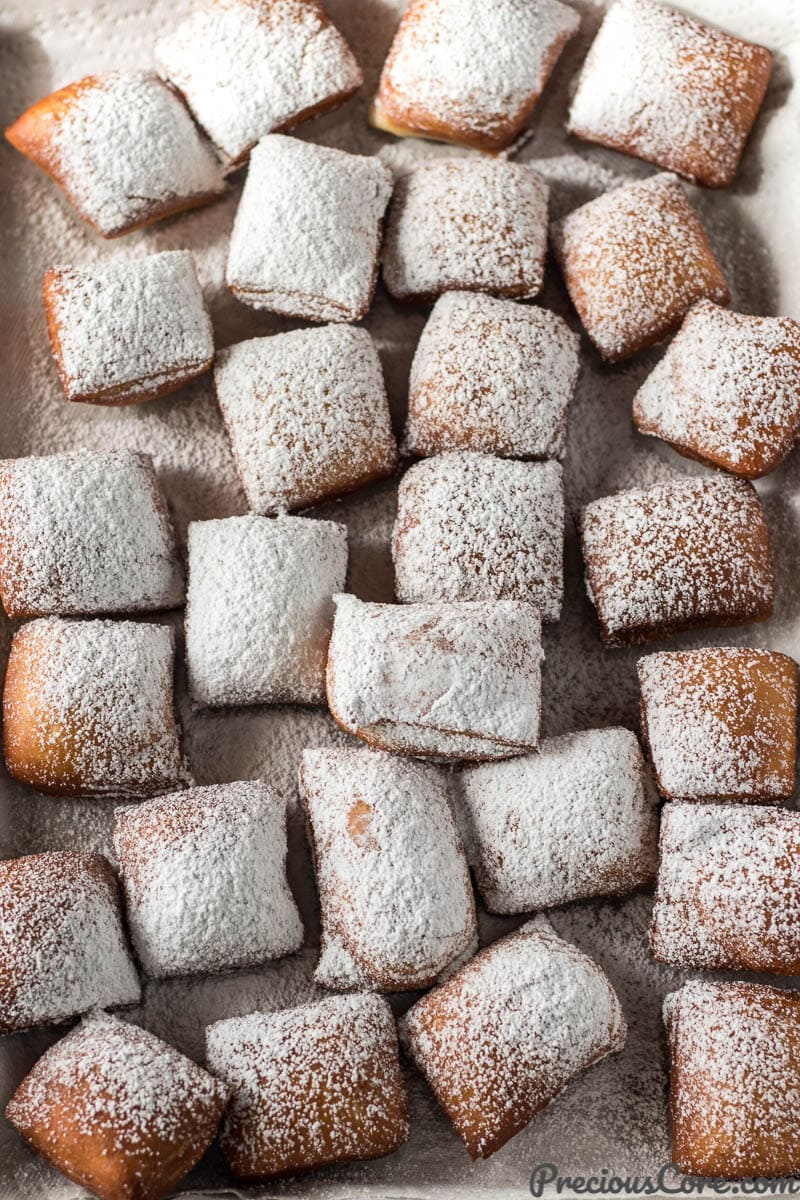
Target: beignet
(122, 148)
(88, 709)
(734, 1079)
(571, 821)
(249, 67)
(728, 889)
(473, 527)
(727, 391)
(128, 330)
(720, 724)
(203, 874)
(501, 1038)
(85, 533)
(466, 224)
(307, 416)
(307, 232)
(679, 555)
(493, 376)
(449, 680)
(117, 1110)
(470, 74)
(313, 1085)
(635, 260)
(62, 944)
(670, 89)
(393, 881)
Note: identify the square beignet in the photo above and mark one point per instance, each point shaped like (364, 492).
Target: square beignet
(448, 680)
(504, 1035)
(727, 391)
(307, 415)
(312, 1085)
(248, 67)
(734, 1080)
(728, 889)
(203, 875)
(571, 821)
(129, 329)
(260, 608)
(634, 261)
(674, 556)
(88, 709)
(720, 724)
(307, 232)
(466, 224)
(117, 1110)
(62, 944)
(685, 99)
(85, 533)
(470, 75)
(392, 877)
(493, 376)
(122, 148)
(473, 527)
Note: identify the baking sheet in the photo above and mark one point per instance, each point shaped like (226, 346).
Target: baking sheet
(613, 1117)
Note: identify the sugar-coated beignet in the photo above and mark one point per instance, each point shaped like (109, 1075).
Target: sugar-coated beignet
(248, 67)
(727, 391)
(117, 1110)
(307, 232)
(675, 556)
(88, 709)
(500, 1039)
(260, 608)
(734, 1080)
(393, 881)
(635, 260)
(474, 527)
(307, 415)
(449, 680)
(470, 74)
(62, 945)
(466, 224)
(720, 724)
(493, 376)
(571, 821)
(667, 88)
(203, 874)
(85, 533)
(312, 1085)
(728, 889)
(128, 329)
(122, 148)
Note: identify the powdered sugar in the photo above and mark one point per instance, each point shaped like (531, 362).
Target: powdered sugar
(728, 890)
(466, 224)
(307, 414)
(453, 680)
(681, 94)
(62, 945)
(473, 527)
(248, 67)
(492, 376)
(393, 880)
(727, 390)
(307, 231)
(260, 608)
(720, 723)
(128, 329)
(204, 878)
(676, 555)
(85, 533)
(572, 821)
